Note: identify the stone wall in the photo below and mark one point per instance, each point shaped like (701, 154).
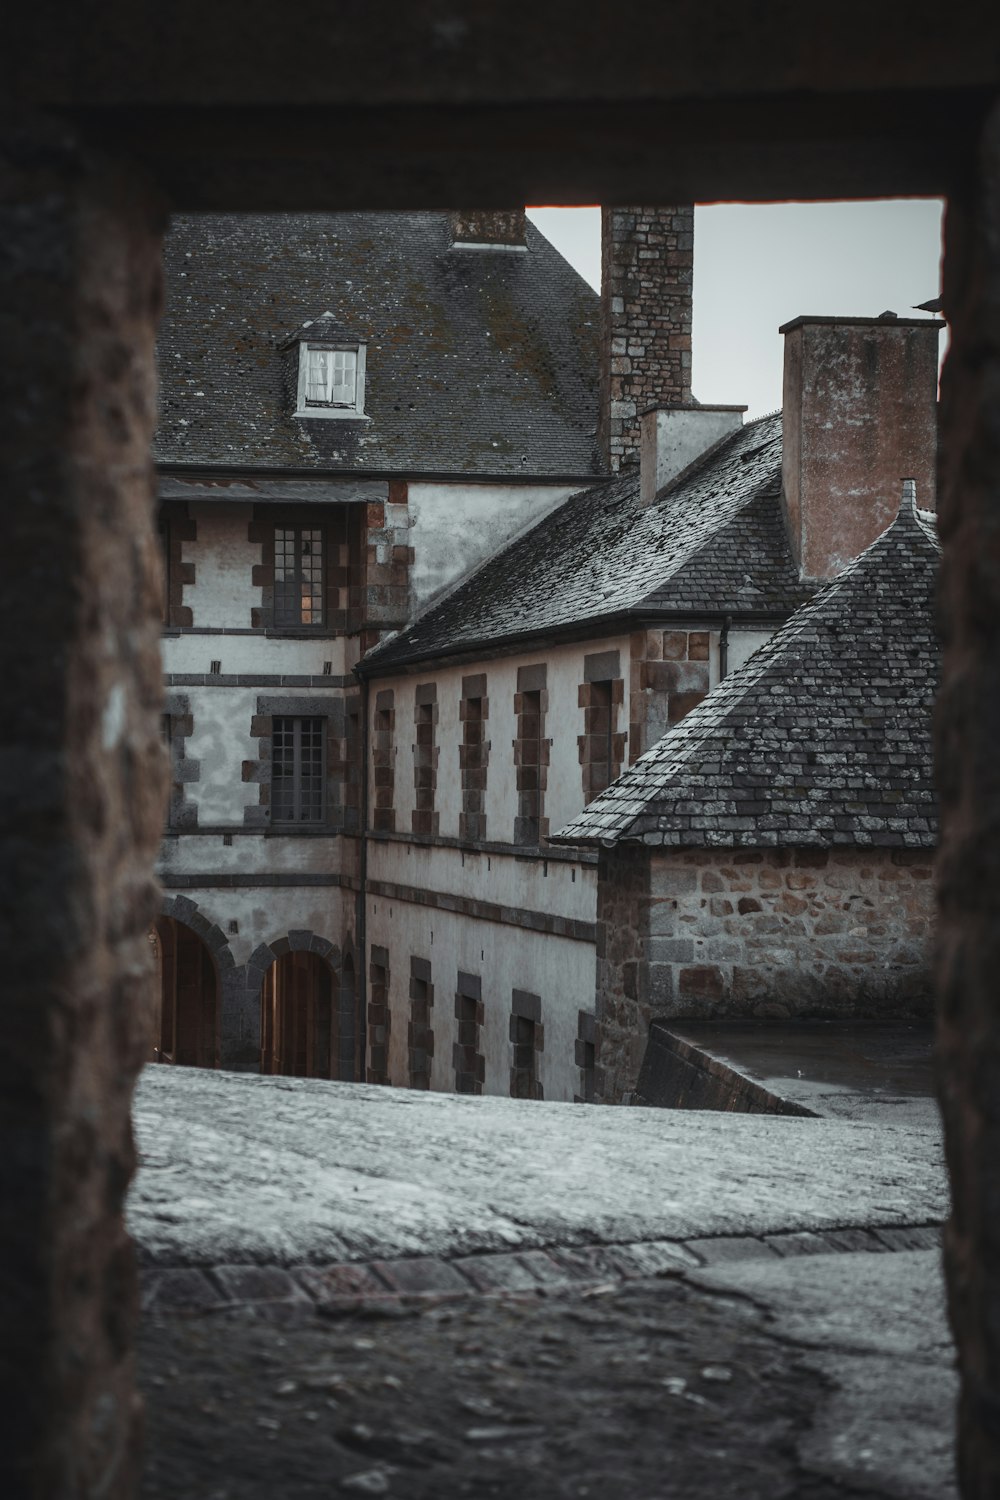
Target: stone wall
(670, 673)
(968, 778)
(647, 260)
(622, 977)
(756, 933)
(84, 794)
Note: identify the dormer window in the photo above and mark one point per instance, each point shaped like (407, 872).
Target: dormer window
(331, 377)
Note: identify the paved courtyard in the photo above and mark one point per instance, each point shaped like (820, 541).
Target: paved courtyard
(575, 1271)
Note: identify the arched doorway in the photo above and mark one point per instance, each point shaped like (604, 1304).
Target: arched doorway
(187, 997)
(296, 1017)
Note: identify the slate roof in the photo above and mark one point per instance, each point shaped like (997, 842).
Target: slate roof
(478, 362)
(714, 542)
(822, 738)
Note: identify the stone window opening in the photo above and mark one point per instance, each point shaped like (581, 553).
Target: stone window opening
(468, 1060)
(379, 1016)
(531, 755)
(601, 747)
(527, 1036)
(298, 576)
(297, 771)
(473, 757)
(586, 1057)
(420, 1033)
(383, 762)
(424, 819)
(331, 380)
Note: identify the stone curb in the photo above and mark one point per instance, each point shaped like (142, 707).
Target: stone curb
(396, 1285)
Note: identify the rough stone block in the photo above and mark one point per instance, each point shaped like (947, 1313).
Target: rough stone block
(258, 1284)
(421, 1274)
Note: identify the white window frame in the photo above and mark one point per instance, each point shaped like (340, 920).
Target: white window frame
(353, 409)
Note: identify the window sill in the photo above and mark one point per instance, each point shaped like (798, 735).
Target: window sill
(331, 413)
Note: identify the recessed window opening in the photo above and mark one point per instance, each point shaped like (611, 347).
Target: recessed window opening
(331, 376)
(298, 576)
(297, 771)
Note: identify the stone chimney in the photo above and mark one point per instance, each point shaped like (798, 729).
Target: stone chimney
(488, 229)
(672, 438)
(860, 413)
(647, 258)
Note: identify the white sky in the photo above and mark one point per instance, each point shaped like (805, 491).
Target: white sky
(759, 265)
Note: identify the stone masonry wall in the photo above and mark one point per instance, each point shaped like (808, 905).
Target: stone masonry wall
(84, 791)
(757, 933)
(968, 778)
(622, 979)
(782, 932)
(670, 675)
(647, 260)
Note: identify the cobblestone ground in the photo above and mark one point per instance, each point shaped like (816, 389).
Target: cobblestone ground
(635, 1390)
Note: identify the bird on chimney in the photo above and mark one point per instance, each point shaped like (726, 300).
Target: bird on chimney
(933, 306)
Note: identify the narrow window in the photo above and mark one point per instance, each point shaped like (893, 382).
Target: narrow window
(527, 1041)
(473, 755)
(425, 756)
(383, 762)
(298, 576)
(297, 772)
(468, 1060)
(420, 1034)
(586, 1056)
(599, 727)
(379, 1018)
(527, 828)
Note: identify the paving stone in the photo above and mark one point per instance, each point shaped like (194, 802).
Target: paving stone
(327, 1282)
(497, 1273)
(727, 1248)
(424, 1273)
(797, 1242)
(852, 1239)
(180, 1289)
(588, 1262)
(921, 1237)
(259, 1284)
(652, 1258)
(545, 1270)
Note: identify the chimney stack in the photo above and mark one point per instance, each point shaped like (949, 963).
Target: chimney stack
(675, 437)
(647, 260)
(488, 229)
(859, 413)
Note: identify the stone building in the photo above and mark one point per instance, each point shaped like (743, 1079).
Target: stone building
(404, 647)
(772, 855)
(525, 695)
(355, 410)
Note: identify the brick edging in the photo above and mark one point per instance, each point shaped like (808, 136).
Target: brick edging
(344, 1287)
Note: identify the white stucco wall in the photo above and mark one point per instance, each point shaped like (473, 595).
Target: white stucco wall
(558, 884)
(456, 526)
(559, 970)
(257, 654)
(742, 645)
(263, 915)
(563, 724)
(223, 592)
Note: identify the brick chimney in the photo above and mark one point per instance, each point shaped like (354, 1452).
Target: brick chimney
(672, 438)
(647, 258)
(488, 229)
(860, 413)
